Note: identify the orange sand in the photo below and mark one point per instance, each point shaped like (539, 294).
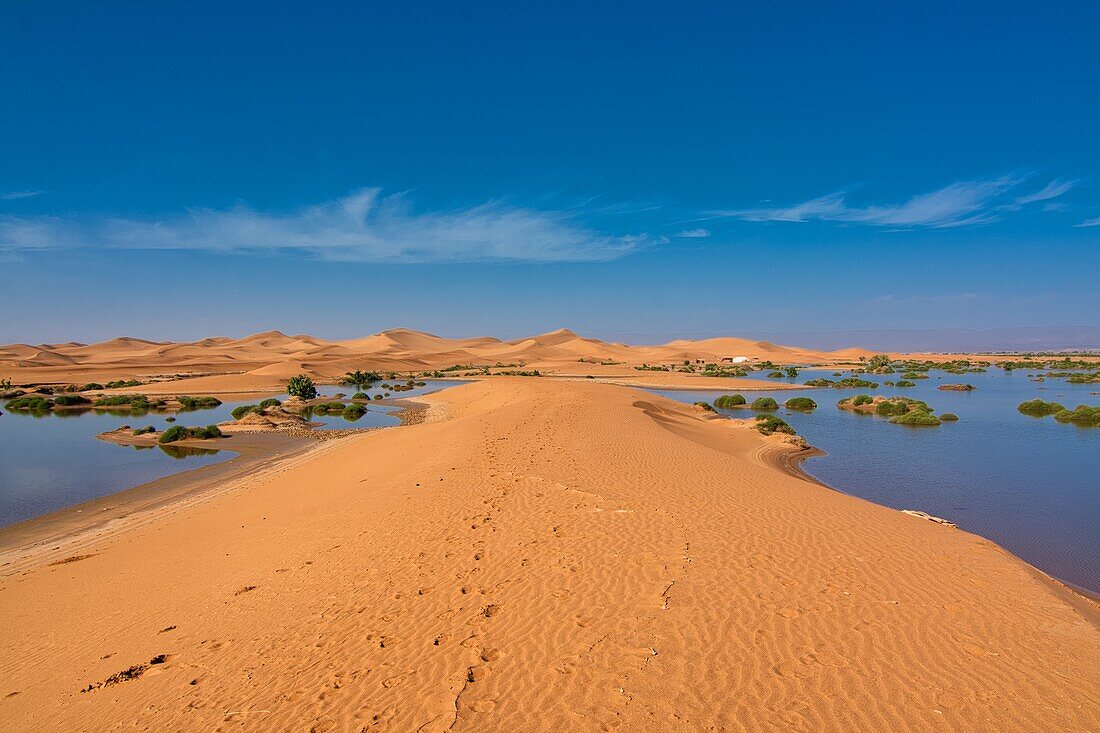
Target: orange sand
(550, 555)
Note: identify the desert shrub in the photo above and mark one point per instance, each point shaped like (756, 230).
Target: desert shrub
(904, 383)
(326, 407)
(729, 401)
(764, 403)
(29, 403)
(705, 405)
(775, 375)
(69, 400)
(198, 403)
(269, 402)
(948, 417)
(768, 424)
(862, 399)
(1082, 415)
(172, 434)
(302, 387)
(122, 383)
(916, 417)
(800, 403)
(91, 386)
(888, 408)
(360, 396)
(353, 412)
(242, 410)
(144, 430)
(139, 401)
(1039, 408)
(878, 361)
(178, 432)
(378, 397)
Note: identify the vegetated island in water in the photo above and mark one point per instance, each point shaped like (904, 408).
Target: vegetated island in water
(900, 410)
(1087, 415)
(957, 387)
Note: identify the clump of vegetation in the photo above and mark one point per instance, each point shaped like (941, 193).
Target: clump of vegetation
(144, 430)
(729, 401)
(914, 375)
(1038, 408)
(178, 432)
(360, 396)
(904, 383)
(792, 372)
(916, 417)
(326, 407)
(878, 361)
(768, 424)
(1081, 415)
(957, 387)
(378, 397)
(90, 386)
(948, 417)
(118, 383)
(269, 402)
(775, 375)
(198, 403)
(705, 405)
(301, 387)
(359, 378)
(846, 383)
(766, 404)
(32, 403)
(803, 404)
(861, 399)
(71, 400)
(136, 401)
(242, 410)
(353, 412)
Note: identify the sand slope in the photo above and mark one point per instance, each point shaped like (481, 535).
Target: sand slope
(553, 556)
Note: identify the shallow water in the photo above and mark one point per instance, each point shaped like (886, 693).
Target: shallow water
(53, 460)
(1032, 485)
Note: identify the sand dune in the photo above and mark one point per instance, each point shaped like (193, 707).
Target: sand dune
(552, 556)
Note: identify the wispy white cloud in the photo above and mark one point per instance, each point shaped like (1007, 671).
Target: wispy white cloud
(365, 226)
(16, 195)
(1095, 222)
(694, 234)
(1052, 190)
(958, 204)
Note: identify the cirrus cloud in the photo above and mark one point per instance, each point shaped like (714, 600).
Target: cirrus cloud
(365, 226)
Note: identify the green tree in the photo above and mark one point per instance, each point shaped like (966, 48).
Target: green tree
(301, 386)
(878, 361)
(792, 372)
(359, 378)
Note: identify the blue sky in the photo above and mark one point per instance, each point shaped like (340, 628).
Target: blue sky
(629, 170)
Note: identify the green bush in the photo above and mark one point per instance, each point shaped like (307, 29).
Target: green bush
(1039, 408)
(326, 407)
(729, 401)
(804, 404)
(269, 402)
(862, 399)
(242, 410)
(301, 387)
(378, 397)
(904, 383)
(705, 406)
(776, 375)
(178, 432)
(353, 412)
(957, 387)
(360, 396)
(764, 403)
(916, 417)
(198, 403)
(949, 417)
(32, 403)
(91, 386)
(70, 400)
(768, 424)
(1081, 415)
(121, 383)
(137, 401)
(144, 430)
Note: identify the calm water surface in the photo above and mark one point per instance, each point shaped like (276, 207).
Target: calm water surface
(1031, 485)
(53, 461)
